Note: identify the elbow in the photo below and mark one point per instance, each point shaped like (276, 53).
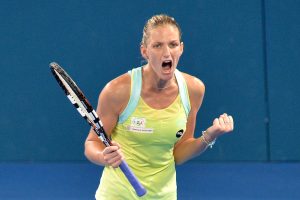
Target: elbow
(179, 161)
(86, 151)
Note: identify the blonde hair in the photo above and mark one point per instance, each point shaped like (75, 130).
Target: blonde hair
(155, 21)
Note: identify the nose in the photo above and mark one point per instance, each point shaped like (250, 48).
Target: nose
(166, 52)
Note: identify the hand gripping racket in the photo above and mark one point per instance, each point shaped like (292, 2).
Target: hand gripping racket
(85, 109)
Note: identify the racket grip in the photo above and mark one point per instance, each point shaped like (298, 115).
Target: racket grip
(139, 189)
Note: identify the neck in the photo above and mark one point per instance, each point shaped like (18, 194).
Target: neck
(162, 84)
(152, 81)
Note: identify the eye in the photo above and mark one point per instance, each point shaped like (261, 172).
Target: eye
(173, 44)
(157, 45)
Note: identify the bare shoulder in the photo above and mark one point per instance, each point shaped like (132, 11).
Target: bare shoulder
(196, 89)
(195, 85)
(116, 93)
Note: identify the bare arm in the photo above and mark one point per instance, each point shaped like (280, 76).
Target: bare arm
(189, 146)
(112, 100)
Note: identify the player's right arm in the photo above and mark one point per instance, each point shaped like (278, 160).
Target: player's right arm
(112, 101)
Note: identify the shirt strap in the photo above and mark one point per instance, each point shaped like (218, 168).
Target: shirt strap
(136, 87)
(183, 91)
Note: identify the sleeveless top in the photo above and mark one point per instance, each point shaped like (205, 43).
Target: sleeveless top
(147, 137)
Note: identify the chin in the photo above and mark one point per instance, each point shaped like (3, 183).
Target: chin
(167, 76)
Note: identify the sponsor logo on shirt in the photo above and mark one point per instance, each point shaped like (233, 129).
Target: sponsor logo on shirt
(138, 125)
(179, 133)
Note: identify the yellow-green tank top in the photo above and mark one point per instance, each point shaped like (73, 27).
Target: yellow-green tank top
(147, 137)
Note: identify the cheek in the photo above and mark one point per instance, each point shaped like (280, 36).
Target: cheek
(153, 57)
(177, 55)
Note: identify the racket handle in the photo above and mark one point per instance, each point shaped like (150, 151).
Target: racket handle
(139, 189)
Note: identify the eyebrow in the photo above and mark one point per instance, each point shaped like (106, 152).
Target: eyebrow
(159, 42)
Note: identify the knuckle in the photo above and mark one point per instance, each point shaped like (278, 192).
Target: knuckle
(106, 159)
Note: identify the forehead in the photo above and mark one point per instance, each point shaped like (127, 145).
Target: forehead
(164, 33)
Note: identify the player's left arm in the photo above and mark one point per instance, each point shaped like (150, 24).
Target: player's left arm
(189, 146)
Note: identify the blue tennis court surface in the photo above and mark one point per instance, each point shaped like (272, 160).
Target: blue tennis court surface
(205, 181)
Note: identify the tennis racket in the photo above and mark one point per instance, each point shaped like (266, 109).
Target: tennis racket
(77, 98)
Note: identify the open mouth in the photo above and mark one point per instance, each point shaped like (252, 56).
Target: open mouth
(167, 64)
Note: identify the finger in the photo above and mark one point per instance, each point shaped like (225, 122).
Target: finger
(112, 157)
(216, 122)
(224, 115)
(231, 121)
(119, 148)
(228, 123)
(115, 144)
(116, 164)
(108, 152)
(228, 120)
(221, 121)
(110, 149)
(115, 161)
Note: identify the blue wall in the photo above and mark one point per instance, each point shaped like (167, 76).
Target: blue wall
(246, 52)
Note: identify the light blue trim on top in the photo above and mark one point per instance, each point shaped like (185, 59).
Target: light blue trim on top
(183, 91)
(136, 87)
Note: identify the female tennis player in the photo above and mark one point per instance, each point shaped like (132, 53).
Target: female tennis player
(150, 115)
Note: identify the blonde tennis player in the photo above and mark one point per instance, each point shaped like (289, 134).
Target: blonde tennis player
(150, 115)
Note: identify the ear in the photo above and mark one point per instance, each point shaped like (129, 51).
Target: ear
(143, 50)
(181, 47)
